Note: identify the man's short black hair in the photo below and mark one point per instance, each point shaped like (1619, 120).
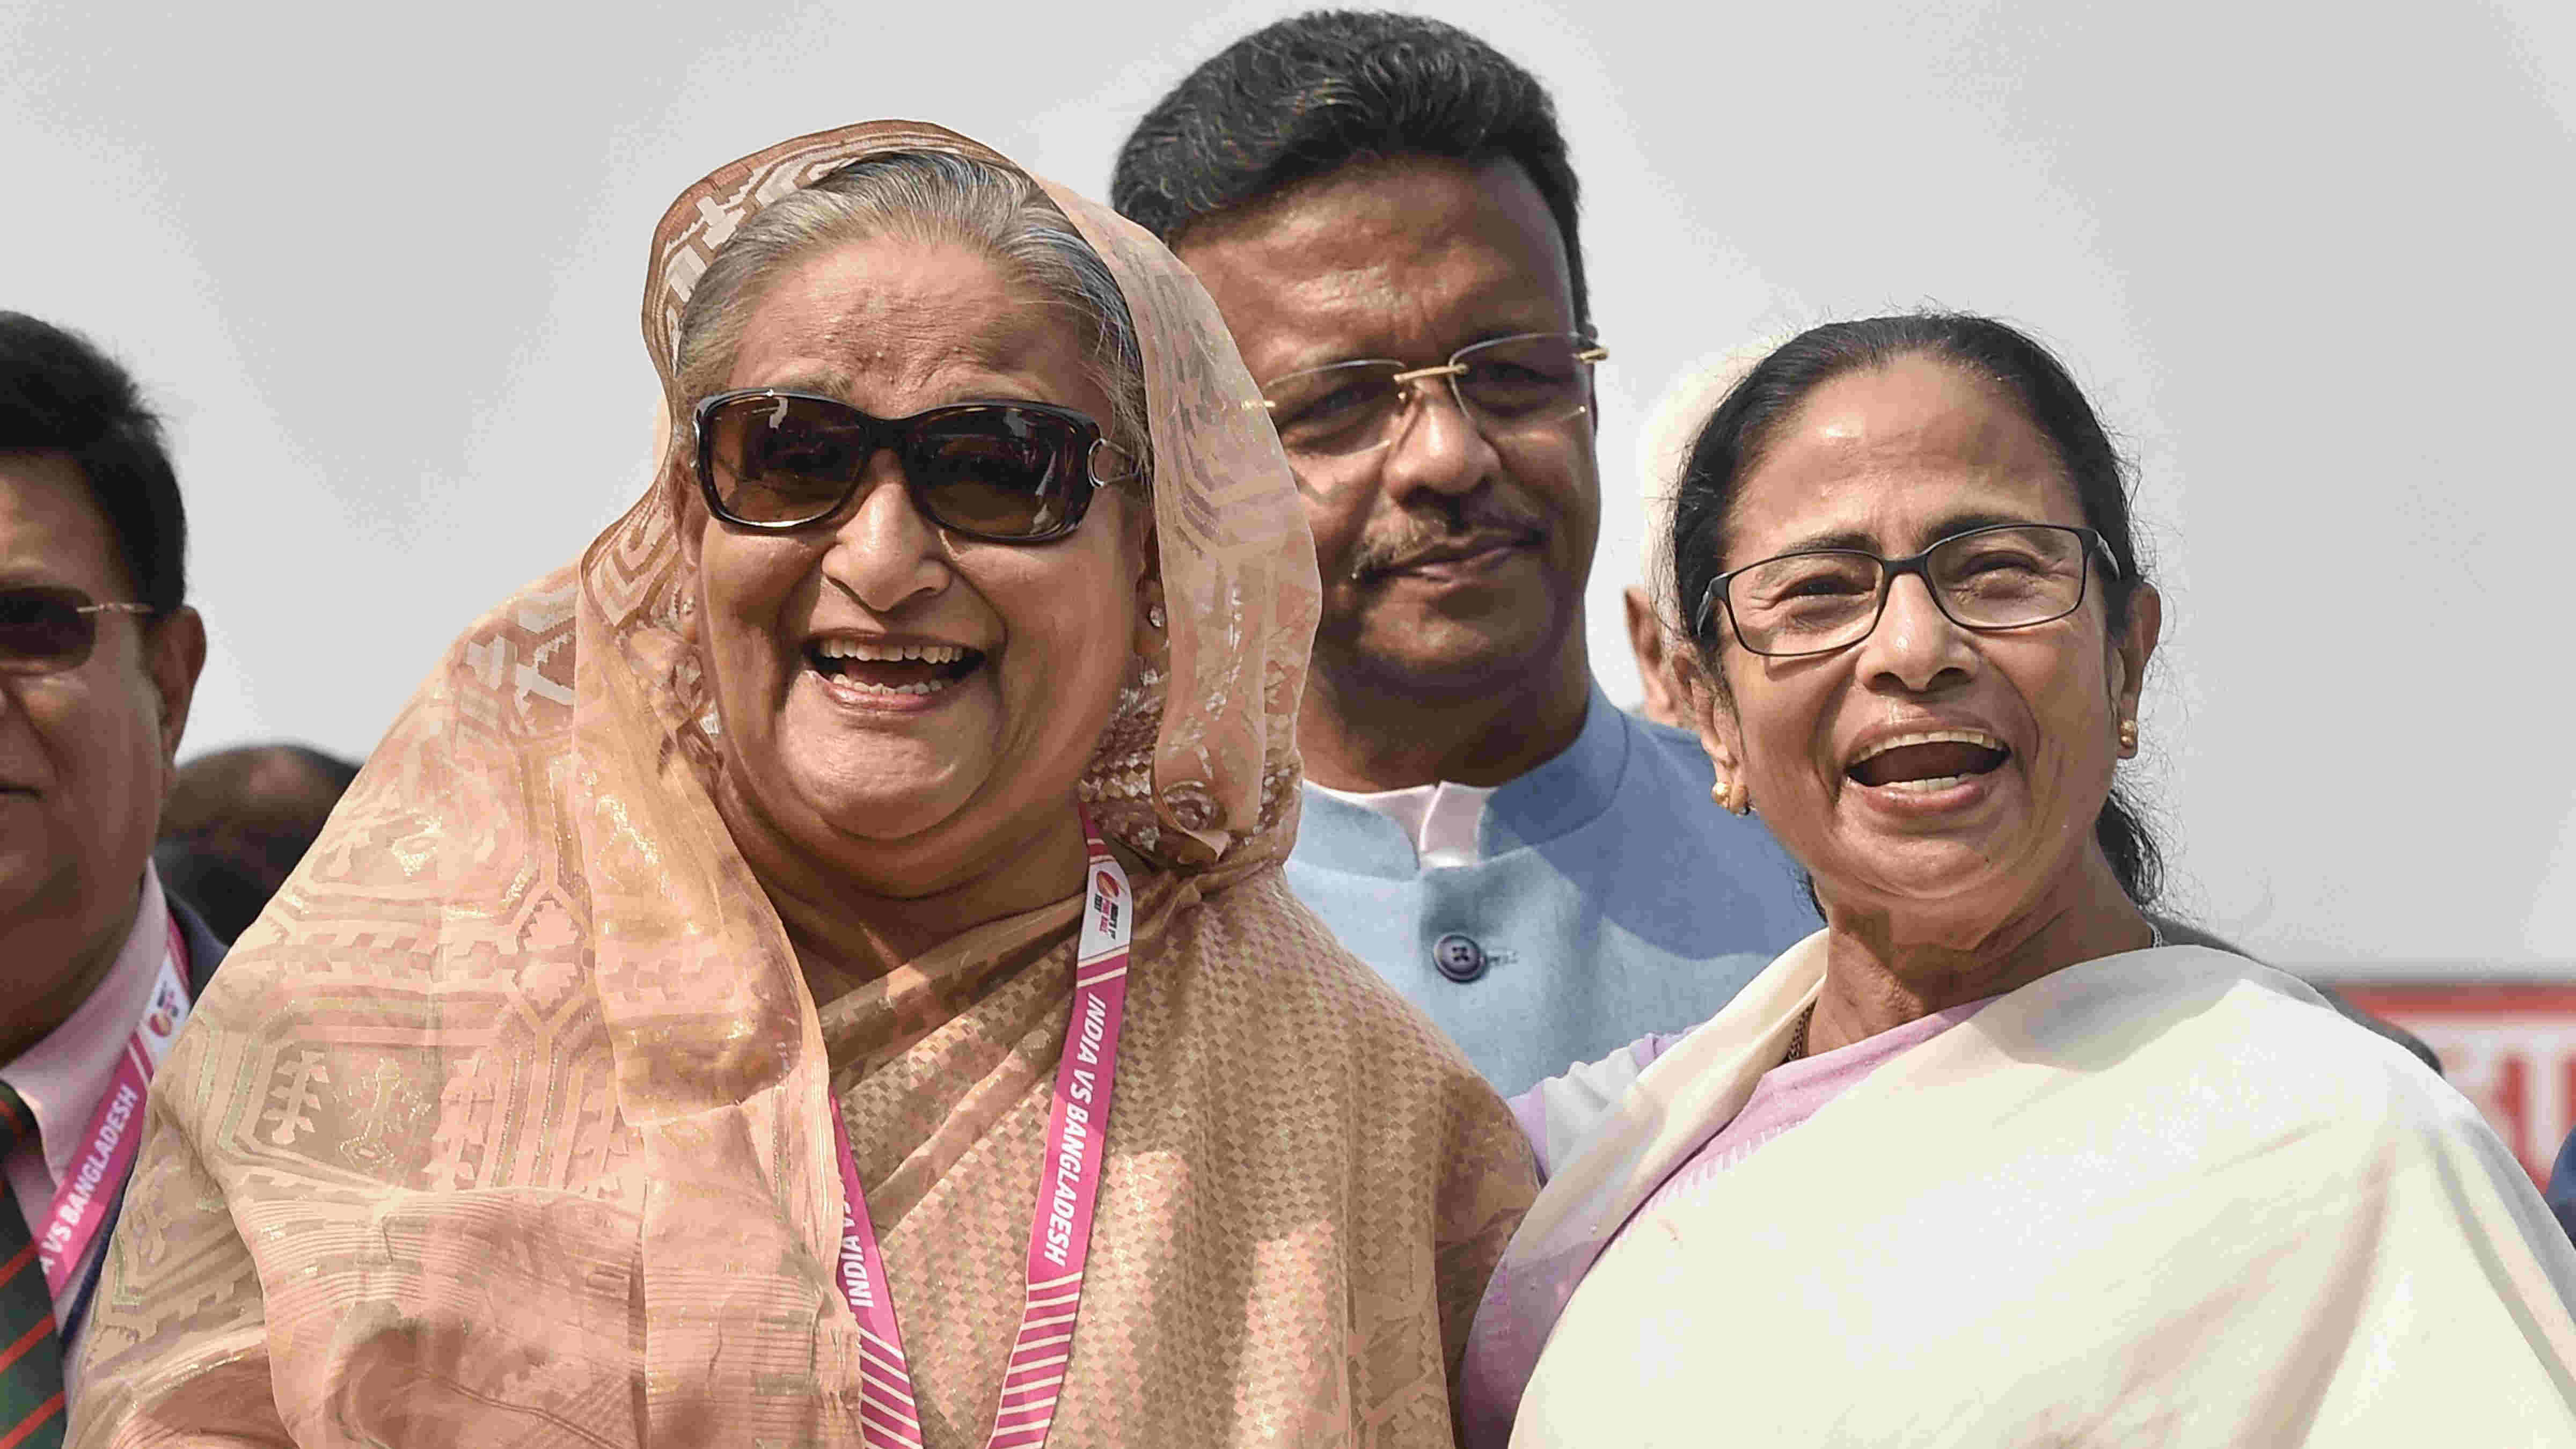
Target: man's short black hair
(59, 394)
(1323, 90)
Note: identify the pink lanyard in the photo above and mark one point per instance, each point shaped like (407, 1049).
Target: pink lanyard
(1068, 1189)
(79, 1211)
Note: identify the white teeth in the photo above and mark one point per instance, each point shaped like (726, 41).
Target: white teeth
(1924, 787)
(889, 653)
(927, 686)
(1930, 737)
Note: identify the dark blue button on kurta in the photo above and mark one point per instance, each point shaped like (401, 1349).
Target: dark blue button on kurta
(1459, 957)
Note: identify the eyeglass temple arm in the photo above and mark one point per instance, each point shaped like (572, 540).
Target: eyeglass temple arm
(1707, 611)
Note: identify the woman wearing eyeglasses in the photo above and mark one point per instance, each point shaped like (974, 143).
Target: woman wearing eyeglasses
(817, 971)
(1986, 1161)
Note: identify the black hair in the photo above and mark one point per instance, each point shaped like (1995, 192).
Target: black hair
(60, 394)
(1735, 436)
(1330, 88)
(237, 823)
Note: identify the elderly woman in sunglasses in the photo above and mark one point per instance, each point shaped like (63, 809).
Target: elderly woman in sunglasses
(1986, 1161)
(817, 972)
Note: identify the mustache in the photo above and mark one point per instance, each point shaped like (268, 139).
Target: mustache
(1484, 522)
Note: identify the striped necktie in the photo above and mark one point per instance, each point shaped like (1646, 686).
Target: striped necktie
(31, 1356)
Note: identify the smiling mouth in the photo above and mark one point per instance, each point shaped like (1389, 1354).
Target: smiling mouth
(1929, 760)
(914, 669)
(1448, 552)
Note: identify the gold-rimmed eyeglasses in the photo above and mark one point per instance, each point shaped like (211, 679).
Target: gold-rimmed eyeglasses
(2009, 576)
(1504, 386)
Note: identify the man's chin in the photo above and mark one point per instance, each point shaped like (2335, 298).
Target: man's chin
(39, 898)
(1448, 657)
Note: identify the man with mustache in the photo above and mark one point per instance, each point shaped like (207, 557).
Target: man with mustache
(1383, 209)
(99, 654)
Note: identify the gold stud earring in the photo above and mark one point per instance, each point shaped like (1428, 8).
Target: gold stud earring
(2128, 734)
(1732, 796)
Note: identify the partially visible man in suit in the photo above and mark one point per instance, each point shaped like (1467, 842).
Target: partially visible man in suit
(99, 654)
(239, 821)
(1384, 209)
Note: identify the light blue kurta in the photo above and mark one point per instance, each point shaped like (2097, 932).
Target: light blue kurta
(1610, 898)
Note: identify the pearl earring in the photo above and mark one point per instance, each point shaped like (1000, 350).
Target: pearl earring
(1154, 615)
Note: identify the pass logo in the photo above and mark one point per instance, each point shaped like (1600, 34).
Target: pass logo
(1105, 894)
(163, 1019)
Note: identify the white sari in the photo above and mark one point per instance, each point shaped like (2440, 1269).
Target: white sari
(2165, 1197)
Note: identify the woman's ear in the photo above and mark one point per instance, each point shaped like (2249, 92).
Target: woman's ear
(2133, 647)
(688, 514)
(1153, 620)
(1707, 710)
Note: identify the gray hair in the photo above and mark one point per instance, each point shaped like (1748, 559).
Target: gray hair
(926, 196)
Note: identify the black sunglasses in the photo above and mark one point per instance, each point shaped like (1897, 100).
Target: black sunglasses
(1004, 472)
(46, 630)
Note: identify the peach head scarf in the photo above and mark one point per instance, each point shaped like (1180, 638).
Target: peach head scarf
(507, 1124)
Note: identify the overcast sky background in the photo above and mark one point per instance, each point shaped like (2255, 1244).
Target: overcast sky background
(382, 271)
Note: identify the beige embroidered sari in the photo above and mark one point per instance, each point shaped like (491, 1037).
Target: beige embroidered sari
(506, 1125)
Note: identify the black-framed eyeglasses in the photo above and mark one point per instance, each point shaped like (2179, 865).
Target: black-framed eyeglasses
(1505, 386)
(1004, 472)
(45, 629)
(2008, 576)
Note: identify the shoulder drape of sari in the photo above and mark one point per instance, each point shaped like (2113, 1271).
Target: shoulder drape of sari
(2166, 1197)
(506, 1123)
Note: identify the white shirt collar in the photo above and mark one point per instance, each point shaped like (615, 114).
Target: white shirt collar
(1441, 819)
(63, 1076)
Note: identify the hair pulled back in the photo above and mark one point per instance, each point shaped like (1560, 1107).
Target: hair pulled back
(934, 197)
(1733, 440)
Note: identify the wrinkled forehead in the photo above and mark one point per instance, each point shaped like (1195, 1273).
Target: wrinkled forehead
(1890, 457)
(903, 315)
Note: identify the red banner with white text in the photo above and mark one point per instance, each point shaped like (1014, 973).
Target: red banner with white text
(2510, 1047)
